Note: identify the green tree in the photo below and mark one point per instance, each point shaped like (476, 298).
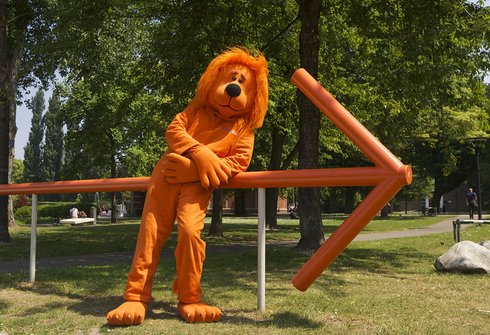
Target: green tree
(26, 52)
(112, 116)
(411, 71)
(18, 171)
(33, 153)
(14, 20)
(452, 108)
(54, 138)
(30, 48)
(309, 125)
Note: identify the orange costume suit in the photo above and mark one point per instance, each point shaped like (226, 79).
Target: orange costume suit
(209, 142)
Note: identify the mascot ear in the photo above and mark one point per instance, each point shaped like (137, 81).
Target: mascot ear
(206, 81)
(259, 107)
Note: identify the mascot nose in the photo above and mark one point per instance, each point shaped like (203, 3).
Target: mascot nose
(233, 90)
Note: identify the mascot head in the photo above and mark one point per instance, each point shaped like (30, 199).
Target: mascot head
(235, 85)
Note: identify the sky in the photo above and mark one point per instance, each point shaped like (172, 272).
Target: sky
(24, 115)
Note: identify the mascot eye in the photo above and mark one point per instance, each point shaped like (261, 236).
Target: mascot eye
(233, 78)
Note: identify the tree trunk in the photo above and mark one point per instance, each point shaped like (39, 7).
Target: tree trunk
(216, 227)
(271, 194)
(309, 198)
(10, 59)
(350, 197)
(113, 208)
(113, 194)
(240, 206)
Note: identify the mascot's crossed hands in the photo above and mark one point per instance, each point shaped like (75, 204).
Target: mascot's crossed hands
(209, 142)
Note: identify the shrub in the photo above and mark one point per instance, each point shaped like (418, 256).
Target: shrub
(51, 210)
(23, 213)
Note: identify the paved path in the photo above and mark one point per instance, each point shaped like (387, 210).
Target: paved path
(443, 226)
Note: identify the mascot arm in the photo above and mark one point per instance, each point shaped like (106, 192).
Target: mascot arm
(177, 137)
(211, 169)
(179, 169)
(208, 167)
(241, 154)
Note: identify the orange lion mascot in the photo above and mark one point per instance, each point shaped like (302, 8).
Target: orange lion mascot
(209, 142)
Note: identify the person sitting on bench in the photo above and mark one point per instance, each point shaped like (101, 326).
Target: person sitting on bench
(73, 212)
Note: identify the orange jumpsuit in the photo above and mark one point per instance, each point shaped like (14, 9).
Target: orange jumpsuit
(186, 203)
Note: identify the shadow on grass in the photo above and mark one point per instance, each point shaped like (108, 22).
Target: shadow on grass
(231, 263)
(376, 260)
(3, 306)
(282, 320)
(292, 320)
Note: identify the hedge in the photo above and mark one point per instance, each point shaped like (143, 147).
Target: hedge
(52, 210)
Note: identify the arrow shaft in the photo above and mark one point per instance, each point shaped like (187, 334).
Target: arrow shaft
(353, 129)
(360, 176)
(345, 233)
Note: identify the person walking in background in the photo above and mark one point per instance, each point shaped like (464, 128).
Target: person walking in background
(471, 202)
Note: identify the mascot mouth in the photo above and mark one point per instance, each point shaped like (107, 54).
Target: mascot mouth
(229, 106)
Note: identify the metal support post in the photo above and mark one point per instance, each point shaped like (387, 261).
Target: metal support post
(261, 251)
(478, 183)
(32, 259)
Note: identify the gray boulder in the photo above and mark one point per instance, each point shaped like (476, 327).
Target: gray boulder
(466, 257)
(485, 244)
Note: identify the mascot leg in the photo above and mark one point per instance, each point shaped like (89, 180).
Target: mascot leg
(156, 225)
(190, 253)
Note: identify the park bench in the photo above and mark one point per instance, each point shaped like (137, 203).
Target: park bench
(429, 211)
(457, 226)
(77, 221)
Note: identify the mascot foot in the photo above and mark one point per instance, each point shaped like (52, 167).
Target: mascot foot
(129, 313)
(198, 312)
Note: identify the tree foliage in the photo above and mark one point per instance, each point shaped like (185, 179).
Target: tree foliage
(52, 161)
(33, 153)
(410, 71)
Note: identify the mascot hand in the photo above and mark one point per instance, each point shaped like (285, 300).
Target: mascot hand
(129, 313)
(212, 171)
(178, 169)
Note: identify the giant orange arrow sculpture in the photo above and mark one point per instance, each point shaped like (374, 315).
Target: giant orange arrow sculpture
(397, 175)
(388, 176)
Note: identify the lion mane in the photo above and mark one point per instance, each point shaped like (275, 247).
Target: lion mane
(258, 64)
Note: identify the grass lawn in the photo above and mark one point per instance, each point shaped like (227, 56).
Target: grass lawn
(68, 240)
(375, 287)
